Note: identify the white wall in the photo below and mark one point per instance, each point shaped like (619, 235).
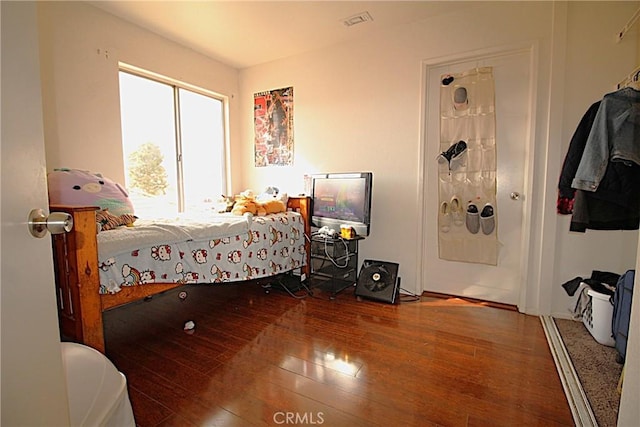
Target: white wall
(357, 107)
(80, 49)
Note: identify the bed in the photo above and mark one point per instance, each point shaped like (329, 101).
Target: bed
(90, 280)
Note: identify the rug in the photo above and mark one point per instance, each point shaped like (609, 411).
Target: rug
(597, 370)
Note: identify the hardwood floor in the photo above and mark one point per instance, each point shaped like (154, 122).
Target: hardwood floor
(258, 359)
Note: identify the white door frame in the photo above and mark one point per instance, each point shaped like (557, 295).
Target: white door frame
(426, 217)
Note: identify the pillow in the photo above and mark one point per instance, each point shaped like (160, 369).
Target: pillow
(75, 187)
(108, 221)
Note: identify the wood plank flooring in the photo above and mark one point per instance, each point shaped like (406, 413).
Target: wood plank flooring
(258, 359)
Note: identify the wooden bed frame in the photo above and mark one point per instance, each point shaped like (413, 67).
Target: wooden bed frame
(75, 254)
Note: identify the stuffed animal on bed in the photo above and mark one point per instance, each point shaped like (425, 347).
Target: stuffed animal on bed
(273, 206)
(247, 202)
(273, 200)
(107, 221)
(225, 204)
(75, 187)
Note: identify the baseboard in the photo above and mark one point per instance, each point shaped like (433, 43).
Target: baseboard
(578, 403)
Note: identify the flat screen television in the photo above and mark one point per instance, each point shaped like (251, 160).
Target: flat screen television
(342, 199)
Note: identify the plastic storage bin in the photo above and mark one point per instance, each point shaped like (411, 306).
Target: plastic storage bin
(597, 317)
(97, 390)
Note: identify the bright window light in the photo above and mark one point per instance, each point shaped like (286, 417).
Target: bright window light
(173, 144)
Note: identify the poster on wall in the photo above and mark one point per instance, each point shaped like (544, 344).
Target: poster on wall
(273, 125)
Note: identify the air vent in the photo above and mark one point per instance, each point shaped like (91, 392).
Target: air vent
(357, 19)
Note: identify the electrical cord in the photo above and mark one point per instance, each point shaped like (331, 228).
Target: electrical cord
(331, 257)
(323, 297)
(410, 297)
(282, 285)
(331, 260)
(330, 238)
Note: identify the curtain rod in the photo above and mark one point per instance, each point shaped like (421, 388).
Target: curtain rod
(630, 24)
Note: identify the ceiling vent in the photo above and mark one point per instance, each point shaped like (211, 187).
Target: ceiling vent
(357, 19)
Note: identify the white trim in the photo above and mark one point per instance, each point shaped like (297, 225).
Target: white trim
(141, 72)
(528, 183)
(421, 241)
(577, 399)
(549, 162)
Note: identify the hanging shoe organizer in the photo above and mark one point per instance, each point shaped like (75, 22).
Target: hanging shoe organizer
(467, 211)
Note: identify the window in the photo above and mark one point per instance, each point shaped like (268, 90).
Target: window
(173, 144)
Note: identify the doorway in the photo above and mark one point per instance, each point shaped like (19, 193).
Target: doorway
(514, 109)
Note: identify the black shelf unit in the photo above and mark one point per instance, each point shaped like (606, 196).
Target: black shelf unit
(334, 263)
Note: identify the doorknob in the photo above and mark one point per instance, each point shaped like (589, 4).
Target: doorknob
(515, 195)
(55, 223)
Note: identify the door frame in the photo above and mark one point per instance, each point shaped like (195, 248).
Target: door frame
(427, 217)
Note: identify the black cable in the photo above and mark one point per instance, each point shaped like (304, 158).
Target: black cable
(410, 297)
(332, 297)
(281, 284)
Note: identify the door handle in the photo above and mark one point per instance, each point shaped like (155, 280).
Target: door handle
(55, 223)
(515, 195)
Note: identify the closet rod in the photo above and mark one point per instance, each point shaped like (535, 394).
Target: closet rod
(630, 79)
(630, 24)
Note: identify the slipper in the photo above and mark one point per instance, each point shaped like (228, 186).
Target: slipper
(460, 99)
(487, 219)
(444, 217)
(473, 219)
(456, 211)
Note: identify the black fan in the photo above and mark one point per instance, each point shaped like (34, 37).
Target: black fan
(377, 280)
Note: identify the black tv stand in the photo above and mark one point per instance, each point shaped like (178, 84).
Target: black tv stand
(334, 263)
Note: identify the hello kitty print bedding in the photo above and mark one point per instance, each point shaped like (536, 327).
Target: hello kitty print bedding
(220, 250)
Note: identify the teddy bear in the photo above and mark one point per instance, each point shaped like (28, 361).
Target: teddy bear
(246, 203)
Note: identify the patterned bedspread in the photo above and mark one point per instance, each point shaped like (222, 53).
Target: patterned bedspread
(218, 251)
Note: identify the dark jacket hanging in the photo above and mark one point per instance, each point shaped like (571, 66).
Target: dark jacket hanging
(615, 205)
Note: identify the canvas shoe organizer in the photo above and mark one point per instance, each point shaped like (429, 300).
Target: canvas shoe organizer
(467, 211)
